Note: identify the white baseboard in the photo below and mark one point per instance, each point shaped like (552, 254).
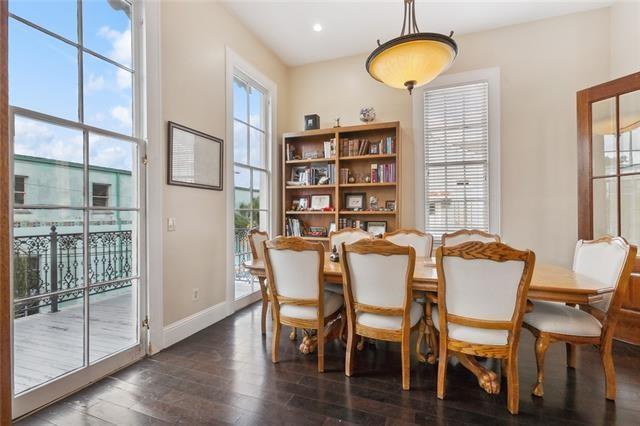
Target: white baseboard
(185, 327)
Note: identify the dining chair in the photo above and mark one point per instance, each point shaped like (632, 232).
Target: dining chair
(348, 236)
(295, 272)
(421, 242)
(608, 260)
(466, 235)
(378, 294)
(256, 238)
(459, 237)
(482, 297)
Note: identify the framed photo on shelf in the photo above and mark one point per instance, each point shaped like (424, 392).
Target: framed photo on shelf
(300, 203)
(373, 149)
(320, 201)
(390, 205)
(377, 227)
(298, 173)
(354, 200)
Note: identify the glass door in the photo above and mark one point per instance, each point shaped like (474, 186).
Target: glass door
(78, 223)
(251, 175)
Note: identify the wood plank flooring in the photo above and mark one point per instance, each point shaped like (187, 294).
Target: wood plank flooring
(224, 375)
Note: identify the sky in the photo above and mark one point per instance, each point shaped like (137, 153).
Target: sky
(43, 76)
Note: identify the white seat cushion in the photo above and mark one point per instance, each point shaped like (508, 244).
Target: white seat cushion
(388, 322)
(334, 288)
(332, 302)
(482, 336)
(562, 319)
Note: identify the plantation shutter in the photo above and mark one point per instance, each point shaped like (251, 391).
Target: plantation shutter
(456, 154)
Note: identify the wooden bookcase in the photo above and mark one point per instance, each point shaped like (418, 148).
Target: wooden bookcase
(296, 144)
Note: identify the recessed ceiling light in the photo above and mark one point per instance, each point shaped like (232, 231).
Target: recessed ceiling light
(317, 28)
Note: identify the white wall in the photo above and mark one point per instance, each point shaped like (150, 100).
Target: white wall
(194, 36)
(625, 38)
(542, 65)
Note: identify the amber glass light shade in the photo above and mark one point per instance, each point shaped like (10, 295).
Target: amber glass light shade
(412, 60)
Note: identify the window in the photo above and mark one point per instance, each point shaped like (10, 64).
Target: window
(20, 184)
(251, 171)
(100, 196)
(456, 158)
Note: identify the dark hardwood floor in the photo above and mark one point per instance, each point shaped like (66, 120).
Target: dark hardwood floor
(224, 375)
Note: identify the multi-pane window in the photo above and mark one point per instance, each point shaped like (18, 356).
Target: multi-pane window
(456, 150)
(19, 189)
(72, 78)
(251, 167)
(100, 196)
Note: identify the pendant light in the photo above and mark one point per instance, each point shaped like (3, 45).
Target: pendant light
(413, 58)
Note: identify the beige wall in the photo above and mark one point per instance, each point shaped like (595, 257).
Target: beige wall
(193, 39)
(543, 64)
(625, 38)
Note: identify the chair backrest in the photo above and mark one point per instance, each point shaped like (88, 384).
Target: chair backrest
(294, 268)
(378, 273)
(256, 238)
(422, 242)
(608, 260)
(347, 236)
(466, 235)
(483, 285)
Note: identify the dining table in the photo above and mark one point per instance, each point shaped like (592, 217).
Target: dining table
(549, 283)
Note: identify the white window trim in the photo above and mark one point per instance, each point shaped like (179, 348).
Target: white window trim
(491, 76)
(235, 62)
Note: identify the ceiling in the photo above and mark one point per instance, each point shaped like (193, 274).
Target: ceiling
(352, 27)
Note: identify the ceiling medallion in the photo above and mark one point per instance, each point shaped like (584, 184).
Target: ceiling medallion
(414, 58)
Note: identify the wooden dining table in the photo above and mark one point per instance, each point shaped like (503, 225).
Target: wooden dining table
(549, 282)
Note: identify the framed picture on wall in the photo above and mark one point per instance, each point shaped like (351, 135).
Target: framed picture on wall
(195, 158)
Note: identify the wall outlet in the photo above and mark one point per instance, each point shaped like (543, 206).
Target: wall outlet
(171, 224)
(196, 294)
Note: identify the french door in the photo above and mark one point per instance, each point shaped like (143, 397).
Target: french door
(609, 176)
(78, 275)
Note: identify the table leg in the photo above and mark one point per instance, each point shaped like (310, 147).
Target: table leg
(487, 379)
(331, 331)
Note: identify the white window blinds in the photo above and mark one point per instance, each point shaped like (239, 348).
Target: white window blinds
(456, 148)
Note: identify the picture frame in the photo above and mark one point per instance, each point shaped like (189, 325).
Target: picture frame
(303, 202)
(390, 205)
(202, 153)
(354, 200)
(373, 149)
(320, 201)
(297, 173)
(378, 227)
(311, 122)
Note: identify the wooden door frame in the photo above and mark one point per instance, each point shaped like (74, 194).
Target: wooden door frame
(629, 326)
(5, 287)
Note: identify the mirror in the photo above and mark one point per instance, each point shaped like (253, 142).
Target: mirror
(195, 158)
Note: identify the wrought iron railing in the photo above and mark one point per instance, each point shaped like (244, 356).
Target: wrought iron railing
(242, 253)
(46, 264)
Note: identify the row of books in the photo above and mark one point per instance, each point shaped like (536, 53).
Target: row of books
(355, 147)
(328, 151)
(330, 148)
(294, 228)
(383, 173)
(319, 174)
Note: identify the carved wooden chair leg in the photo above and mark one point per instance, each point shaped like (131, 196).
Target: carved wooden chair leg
(609, 370)
(513, 383)
(351, 351)
(406, 359)
(265, 304)
(320, 340)
(421, 333)
(275, 347)
(442, 370)
(542, 344)
(293, 334)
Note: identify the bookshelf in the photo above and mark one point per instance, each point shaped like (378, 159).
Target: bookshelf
(309, 157)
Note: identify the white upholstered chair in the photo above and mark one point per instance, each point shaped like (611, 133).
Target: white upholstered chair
(347, 236)
(608, 260)
(466, 235)
(256, 238)
(482, 296)
(295, 272)
(378, 293)
(421, 242)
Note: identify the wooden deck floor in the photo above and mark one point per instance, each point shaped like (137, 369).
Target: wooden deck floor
(48, 345)
(224, 375)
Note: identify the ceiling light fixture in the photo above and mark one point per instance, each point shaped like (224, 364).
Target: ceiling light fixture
(413, 58)
(317, 28)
